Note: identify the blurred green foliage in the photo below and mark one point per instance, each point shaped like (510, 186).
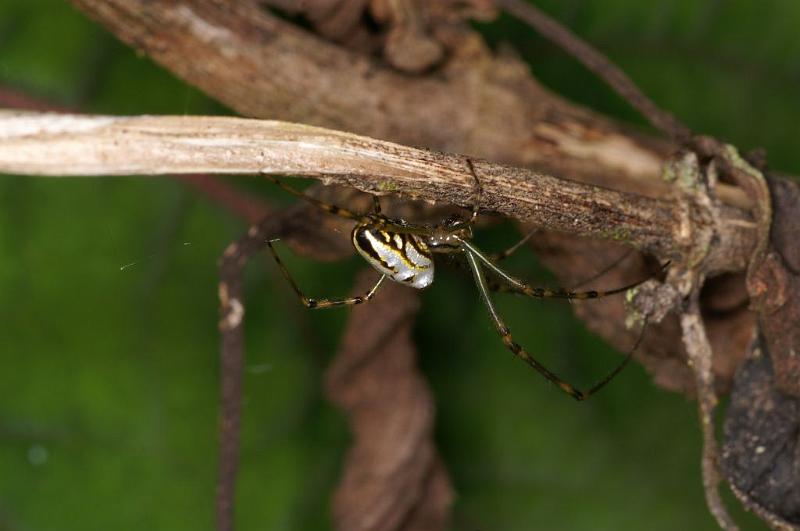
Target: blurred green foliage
(109, 377)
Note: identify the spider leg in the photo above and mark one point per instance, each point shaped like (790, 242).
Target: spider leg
(606, 269)
(320, 304)
(546, 293)
(508, 340)
(500, 287)
(506, 288)
(477, 192)
(496, 257)
(327, 207)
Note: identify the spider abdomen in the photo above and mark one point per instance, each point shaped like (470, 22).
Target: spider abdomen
(403, 257)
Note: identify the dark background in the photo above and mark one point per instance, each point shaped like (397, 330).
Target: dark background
(108, 373)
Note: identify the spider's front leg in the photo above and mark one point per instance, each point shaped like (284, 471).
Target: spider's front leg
(319, 304)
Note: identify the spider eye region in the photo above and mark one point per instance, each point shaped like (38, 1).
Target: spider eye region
(403, 257)
(445, 239)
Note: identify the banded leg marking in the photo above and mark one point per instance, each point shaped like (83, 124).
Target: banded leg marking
(545, 293)
(320, 304)
(508, 340)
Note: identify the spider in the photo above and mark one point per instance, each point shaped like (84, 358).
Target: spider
(403, 252)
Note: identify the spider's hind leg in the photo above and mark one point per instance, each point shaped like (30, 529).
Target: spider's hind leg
(502, 255)
(517, 286)
(475, 263)
(314, 303)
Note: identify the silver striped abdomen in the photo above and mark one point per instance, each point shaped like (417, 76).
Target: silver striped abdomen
(402, 257)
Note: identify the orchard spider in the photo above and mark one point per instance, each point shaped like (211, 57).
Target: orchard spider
(403, 252)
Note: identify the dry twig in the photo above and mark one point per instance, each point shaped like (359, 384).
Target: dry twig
(250, 208)
(102, 145)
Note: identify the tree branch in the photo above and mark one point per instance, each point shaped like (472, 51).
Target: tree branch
(102, 145)
(478, 103)
(250, 208)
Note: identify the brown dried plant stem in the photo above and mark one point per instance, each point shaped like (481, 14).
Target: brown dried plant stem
(103, 145)
(250, 208)
(479, 103)
(700, 355)
(231, 325)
